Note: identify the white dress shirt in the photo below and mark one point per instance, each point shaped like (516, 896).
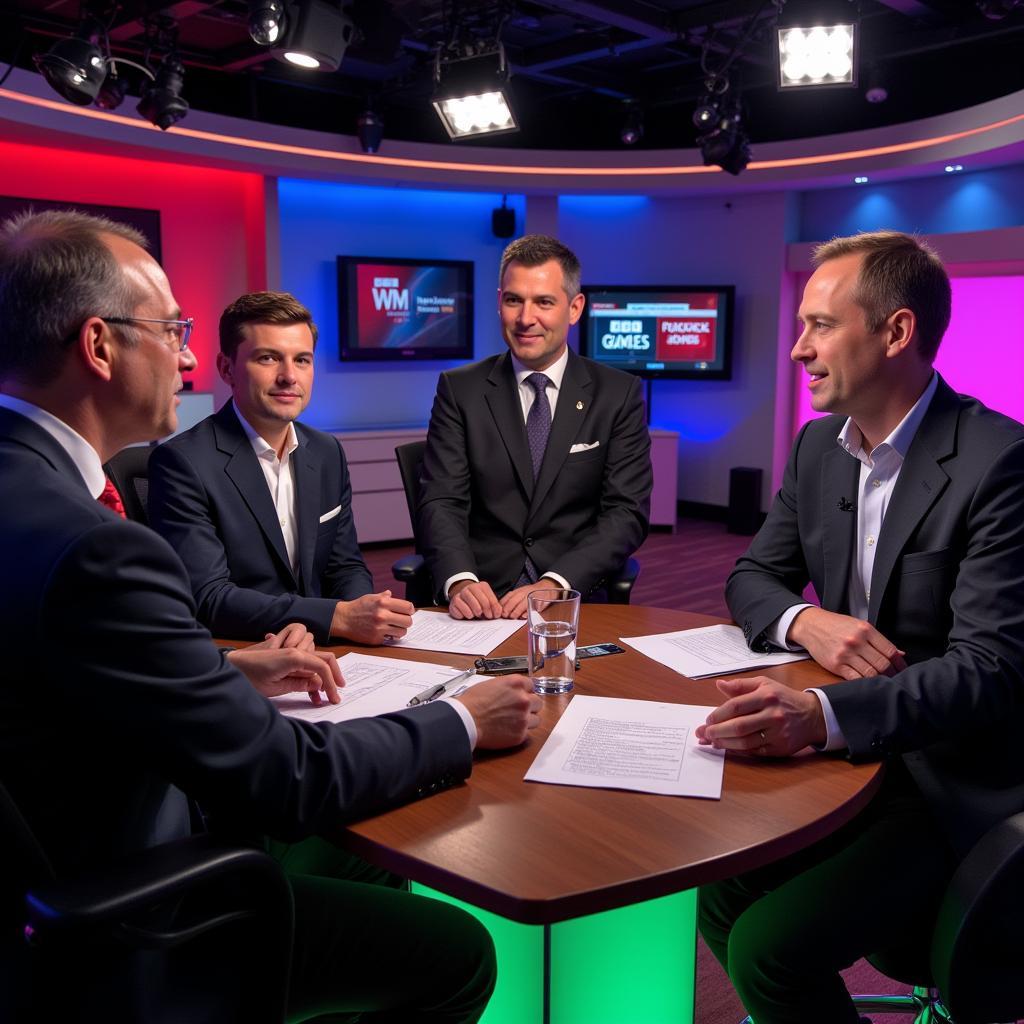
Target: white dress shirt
(527, 396)
(280, 476)
(82, 454)
(879, 472)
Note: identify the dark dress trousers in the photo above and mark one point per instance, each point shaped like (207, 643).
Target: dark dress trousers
(209, 498)
(114, 703)
(947, 587)
(480, 509)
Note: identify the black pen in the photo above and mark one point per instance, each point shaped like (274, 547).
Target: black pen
(439, 689)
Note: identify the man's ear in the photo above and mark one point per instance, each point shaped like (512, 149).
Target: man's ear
(96, 348)
(901, 332)
(576, 307)
(225, 366)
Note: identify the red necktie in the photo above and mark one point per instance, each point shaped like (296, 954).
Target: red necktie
(111, 498)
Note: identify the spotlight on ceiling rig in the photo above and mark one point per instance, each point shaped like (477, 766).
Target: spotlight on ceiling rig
(723, 141)
(77, 66)
(817, 43)
(370, 129)
(632, 126)
(266, 21)
(161, 102)
(312, 34)
(471, 94)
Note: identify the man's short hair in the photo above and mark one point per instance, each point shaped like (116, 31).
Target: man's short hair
(261, 308)
(56, 271)
(533, 250)
(898, 272)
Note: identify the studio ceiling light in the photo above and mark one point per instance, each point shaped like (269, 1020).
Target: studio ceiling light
(370, 129)
(313, 34)
(76, 67)
(471, 94)
(817, 55)
(266, 21)
(161, 102)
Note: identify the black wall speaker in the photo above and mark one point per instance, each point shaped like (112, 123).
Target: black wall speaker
(503, 222)
(744, 514)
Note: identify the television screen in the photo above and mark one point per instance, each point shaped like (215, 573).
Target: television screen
(404, 308)
(660, 330)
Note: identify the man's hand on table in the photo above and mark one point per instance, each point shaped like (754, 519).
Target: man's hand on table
(472, 599)
(513, 604)
(763, 717)
(372, 618)
(848, 647)
(504, 709)
(281, 670)
(294, 634)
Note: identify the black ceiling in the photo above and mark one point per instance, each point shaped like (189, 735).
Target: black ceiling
(577, 64)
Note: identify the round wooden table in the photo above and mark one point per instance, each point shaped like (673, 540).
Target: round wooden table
(540, 853)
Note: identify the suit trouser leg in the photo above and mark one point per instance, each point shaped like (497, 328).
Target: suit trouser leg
(391, 955)
(784, 932)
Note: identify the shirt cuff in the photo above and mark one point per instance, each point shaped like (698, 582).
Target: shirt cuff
(777, 631)
(467, 719)
(834, 738)
(560, 580)
(455, 579)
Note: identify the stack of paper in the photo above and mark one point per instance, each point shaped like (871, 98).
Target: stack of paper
(438, 631)
(707, 651)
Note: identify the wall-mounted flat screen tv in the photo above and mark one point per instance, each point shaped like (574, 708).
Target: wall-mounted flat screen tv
(683, 332)
(402, 309)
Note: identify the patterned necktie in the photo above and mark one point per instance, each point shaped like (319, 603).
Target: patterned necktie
(111, 499)
(538, 420)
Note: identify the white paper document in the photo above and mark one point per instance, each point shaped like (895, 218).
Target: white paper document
(438, 631)
(617, 743)
(373, 686)
(707, 651)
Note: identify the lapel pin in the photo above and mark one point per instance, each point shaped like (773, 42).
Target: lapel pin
(579, 405)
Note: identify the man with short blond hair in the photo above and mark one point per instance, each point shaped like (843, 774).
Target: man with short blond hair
(904, 510)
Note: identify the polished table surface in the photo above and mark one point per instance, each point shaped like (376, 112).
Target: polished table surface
(539, 853)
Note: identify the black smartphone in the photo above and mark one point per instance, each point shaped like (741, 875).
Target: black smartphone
(501, 666)
(598, 650)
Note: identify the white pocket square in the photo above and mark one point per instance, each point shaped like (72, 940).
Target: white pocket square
(583, 447)
(330, 515)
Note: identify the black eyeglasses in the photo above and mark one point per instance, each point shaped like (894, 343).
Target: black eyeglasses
(184, 327)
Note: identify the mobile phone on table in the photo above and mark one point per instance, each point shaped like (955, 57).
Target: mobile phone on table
(501, 666)
(598, 650)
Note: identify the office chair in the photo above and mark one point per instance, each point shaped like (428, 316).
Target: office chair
(972, 972)
(412, 569)
(129, 472)
(198, 930)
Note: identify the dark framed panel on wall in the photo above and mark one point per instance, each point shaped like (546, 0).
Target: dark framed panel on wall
(145, 221)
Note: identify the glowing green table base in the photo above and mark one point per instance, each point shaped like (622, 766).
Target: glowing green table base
(632, 964)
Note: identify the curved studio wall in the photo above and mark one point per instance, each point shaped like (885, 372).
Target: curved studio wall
(248, 204)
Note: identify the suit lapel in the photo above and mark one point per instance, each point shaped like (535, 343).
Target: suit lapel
(502, 397)
(839, 475)
(20, 429)
(573, 407)
(921, 482)
(307, 505)
(243, 469)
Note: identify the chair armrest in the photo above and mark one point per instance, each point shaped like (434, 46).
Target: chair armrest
(152, 877)
(620, 584)
(408, 567)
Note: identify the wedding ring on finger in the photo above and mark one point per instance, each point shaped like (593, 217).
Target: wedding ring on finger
(764, 741)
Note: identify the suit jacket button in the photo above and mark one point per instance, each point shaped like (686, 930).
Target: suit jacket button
(528, 542)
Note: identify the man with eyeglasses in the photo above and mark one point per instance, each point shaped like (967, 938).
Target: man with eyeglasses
(258, 506)
(115, 702)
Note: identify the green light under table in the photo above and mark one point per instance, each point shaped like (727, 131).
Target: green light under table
(636, 963)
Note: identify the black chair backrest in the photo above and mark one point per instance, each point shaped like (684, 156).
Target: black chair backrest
(410, 459)
(129, 472)
(26, 865)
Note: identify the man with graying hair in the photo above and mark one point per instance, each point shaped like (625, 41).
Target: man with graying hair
(131, 705)
(905, 509)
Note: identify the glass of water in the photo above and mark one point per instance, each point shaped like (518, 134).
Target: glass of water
(552, 617)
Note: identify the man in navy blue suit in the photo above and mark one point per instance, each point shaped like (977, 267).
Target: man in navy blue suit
(259, 507)
(114, 702)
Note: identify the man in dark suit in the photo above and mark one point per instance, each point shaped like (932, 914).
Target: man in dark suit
(259, 507)
(114, 701)
(537, 470)
(905, 512)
